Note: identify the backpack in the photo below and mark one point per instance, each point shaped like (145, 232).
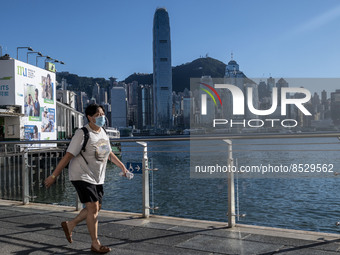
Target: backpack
(83, 148)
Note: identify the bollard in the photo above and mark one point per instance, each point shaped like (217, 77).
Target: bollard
(146, 195)
(79, 205)
(25, 188)
(231, 187)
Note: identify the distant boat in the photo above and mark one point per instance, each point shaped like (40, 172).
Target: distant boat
(112, 133)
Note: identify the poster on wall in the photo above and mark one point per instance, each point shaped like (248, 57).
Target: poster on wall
(31, 132)
(47, 89)
(37, 87)
(48, 120)
(32, 104)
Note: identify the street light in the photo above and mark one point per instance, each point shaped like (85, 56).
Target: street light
(39, 53)
(28, 48)
(1, 51)
(36, 59)
(47, 58)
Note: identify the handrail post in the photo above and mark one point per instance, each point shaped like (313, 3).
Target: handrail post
(146, 188)
(231, 187)
(79, 205)
(25, 183)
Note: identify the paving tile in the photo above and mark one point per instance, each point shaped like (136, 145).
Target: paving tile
(159, 226)
(36, 229)
(303, 251)
(139, 234)
(10, 245)
(158, 248)
(319, 245)
(278, 240)
(227, 246)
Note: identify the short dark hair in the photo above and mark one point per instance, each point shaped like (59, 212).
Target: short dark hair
(92, 110)
(37, 91)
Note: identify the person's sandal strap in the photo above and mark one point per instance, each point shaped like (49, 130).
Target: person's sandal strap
(67, 232)
(103, 249)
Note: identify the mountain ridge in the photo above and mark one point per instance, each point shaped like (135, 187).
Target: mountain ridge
(181, 75)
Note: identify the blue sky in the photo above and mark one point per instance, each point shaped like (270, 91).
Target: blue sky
(114, 38)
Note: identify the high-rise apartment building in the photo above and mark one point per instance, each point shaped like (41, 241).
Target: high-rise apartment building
(162, 72)
(118, 107)
(131, 89)
(335, 106)
(96, 93)
(144, 107)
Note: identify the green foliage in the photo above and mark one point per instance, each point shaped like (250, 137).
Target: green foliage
(181, 74)
(202, 66)
(84, 84)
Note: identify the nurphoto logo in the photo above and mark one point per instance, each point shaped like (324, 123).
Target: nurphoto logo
(281, 100)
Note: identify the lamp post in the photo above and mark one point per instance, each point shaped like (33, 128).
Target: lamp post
(1, 51)
(58, 61)
(46, 57)
(39, 53)
(28, 48)
(36, 59)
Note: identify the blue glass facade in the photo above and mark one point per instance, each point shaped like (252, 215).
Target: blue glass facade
(162, 72)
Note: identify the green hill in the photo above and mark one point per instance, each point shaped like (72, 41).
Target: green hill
(180, 76)
(79, 83)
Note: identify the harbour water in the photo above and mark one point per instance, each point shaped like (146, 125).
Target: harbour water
(296, 201)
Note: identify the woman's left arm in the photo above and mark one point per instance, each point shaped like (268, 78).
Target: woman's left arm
(113, 158)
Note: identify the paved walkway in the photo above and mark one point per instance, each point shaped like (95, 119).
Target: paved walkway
(35, 229)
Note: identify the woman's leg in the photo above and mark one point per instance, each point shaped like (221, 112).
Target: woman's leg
(92, 222)
(79, 218)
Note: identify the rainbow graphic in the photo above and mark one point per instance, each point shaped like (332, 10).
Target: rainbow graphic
(209, 93)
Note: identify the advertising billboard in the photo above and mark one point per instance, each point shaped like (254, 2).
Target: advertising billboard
(33, 89)
(7, 88)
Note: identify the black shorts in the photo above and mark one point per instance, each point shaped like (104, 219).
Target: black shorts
(88, 192)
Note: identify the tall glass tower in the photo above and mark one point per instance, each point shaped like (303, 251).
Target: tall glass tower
(162, 72)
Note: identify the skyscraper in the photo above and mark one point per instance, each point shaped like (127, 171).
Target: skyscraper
(96, 92)
(162, 72)
(118, 107)
(335, 106)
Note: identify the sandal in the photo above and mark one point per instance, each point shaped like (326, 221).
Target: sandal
(103, 249)
(67, 232)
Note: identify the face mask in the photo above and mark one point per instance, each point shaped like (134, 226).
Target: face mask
(100, 121)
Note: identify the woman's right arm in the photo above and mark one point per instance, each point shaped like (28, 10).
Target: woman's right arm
(61, 165)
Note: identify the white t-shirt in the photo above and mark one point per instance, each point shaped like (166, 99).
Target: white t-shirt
(96, 154)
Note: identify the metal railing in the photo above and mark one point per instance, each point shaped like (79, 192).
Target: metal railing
(22, 167)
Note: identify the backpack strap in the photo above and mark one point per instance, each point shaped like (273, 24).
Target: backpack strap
(104, 130)
(86, 138)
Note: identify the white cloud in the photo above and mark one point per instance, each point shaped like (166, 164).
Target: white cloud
(318, 21)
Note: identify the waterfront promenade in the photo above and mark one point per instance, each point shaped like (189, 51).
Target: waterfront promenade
(35, 229)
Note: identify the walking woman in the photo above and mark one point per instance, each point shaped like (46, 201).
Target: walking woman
(87, 172)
